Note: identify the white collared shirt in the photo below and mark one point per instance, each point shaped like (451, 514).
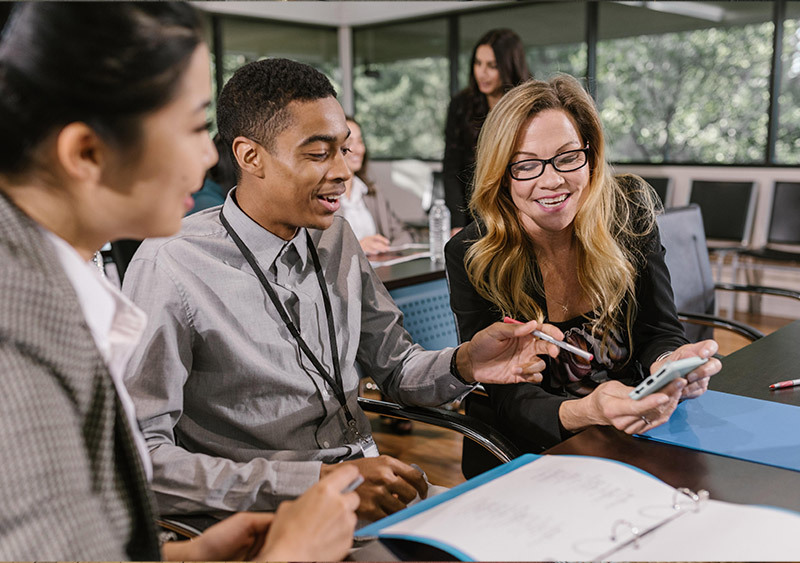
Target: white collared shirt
(355, 210)
(115, 322)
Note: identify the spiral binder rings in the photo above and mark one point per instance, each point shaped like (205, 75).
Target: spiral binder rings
(554, 508)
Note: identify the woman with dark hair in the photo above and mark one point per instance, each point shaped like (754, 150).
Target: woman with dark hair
(103, 136)
(497, 65)
(368, 212)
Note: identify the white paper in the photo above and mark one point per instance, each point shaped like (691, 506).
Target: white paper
(566, 508)
(555, 508)
(722, 531)
(392, 258)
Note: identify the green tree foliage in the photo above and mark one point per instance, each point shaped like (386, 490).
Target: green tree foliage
(787, 149)
(402, 106)
(695, 96)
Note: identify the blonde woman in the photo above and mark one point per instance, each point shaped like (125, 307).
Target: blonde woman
(559, 239)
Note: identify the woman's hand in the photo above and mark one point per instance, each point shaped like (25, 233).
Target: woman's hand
(507, 353)
(374, 244)
(697, 379)
(610, 405)
(317, 526)
(237, 538)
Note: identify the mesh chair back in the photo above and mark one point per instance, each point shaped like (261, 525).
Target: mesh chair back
(427, 315)
(681, 230)
(728, 209)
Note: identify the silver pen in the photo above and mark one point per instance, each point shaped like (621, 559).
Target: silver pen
(354, 484)
(560, 343)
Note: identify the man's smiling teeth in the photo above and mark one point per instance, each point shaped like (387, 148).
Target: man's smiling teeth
(552, 201)
(331, 198)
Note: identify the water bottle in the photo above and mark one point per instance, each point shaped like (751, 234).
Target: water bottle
(439, 229)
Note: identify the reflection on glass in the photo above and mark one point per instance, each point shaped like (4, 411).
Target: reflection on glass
(247, 40)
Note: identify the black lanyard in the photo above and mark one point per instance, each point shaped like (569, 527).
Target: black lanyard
(336, 384)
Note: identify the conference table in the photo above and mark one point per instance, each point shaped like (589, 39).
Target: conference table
(408, 273)
(748, 372)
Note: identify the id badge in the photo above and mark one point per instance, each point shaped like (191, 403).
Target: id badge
(368, 446)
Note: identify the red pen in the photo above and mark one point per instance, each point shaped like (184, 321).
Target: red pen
(560, 343)
(784, 384)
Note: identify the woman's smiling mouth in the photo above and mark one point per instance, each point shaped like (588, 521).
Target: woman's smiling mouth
(554, 201)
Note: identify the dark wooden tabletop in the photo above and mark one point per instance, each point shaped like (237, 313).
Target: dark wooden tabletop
(410, 273)
(748, 372)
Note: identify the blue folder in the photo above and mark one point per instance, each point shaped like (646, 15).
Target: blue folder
(735, 426)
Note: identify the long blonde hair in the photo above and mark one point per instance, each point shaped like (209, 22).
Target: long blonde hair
(614, 216)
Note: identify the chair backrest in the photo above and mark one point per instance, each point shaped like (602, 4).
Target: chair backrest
(728, 209)
(683, 237)
(427, 314)
(784, 224)
(663, 188)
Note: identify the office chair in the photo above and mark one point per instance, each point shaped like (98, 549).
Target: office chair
(728, 210)
(663, 188)
(430, 322)
(782, 250)
(426, 313)
(693, 286)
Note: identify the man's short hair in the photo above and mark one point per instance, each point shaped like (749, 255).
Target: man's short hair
(253, 102)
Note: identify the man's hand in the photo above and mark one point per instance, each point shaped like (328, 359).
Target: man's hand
(237, 538)
(389, 485)
(507, 353)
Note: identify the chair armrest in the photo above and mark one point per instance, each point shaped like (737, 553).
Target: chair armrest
(763, 290)
(479, 432)
(717, 322)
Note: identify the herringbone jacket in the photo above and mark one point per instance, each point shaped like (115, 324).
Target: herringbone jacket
(71, 482)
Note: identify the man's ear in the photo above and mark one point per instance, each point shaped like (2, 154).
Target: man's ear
(80, 151)
(250, 156)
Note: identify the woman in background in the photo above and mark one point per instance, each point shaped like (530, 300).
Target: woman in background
(497, 65)
(103, 135)
(372, 220)
(558, 238)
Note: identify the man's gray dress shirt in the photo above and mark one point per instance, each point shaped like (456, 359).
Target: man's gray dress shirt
(235, 415)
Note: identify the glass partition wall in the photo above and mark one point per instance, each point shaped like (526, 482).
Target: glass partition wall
(676, 82)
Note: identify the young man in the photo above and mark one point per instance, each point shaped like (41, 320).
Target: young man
(258, 313)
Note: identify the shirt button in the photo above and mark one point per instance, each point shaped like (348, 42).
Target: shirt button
(326, 444)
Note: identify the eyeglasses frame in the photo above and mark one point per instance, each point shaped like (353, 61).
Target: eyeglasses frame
(551, 162)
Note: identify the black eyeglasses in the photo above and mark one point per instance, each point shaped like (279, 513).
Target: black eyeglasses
(567, 161)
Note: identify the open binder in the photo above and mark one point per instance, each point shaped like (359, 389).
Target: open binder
(547, 508)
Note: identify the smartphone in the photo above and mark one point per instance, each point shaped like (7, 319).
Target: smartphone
(668, 372)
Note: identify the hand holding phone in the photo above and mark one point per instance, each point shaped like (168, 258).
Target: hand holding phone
(668, 372)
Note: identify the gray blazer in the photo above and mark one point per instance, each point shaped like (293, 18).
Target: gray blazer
(71, 483)
(386, 222)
